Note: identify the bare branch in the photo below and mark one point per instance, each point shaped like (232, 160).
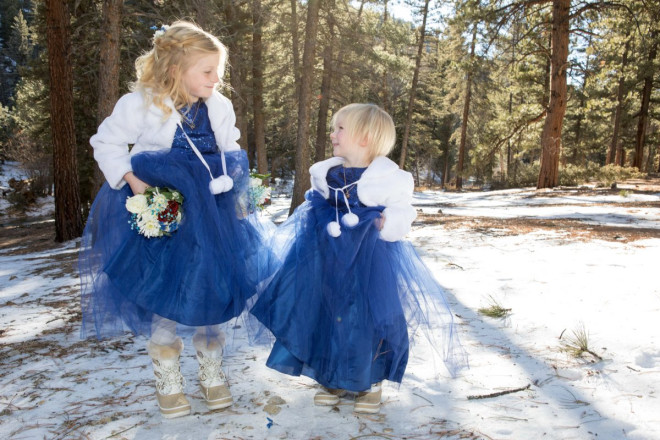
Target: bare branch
(515, 131)
(499, 393)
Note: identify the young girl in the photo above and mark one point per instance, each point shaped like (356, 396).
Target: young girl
(349, 291)
(176, 131)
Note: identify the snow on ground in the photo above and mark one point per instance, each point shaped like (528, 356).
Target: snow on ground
(55, 386)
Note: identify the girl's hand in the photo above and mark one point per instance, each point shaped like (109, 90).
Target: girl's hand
(137, 186)
(380, 222)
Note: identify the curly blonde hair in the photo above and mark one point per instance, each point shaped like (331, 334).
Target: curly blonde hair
(160, 71)
(370, 123)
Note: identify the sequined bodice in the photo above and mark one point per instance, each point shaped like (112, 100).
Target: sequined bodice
(339, 177)
(197, 125)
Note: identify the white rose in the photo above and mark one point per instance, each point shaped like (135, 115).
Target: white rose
(159, 202)
(265, 195)
(177, 197)
(136, 204)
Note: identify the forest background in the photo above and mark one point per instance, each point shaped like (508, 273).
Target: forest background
(502, 93)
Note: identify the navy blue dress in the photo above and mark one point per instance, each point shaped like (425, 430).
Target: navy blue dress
(343, 310)
(202, 274)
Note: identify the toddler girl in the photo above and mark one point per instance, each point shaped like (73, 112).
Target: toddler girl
(345, 303)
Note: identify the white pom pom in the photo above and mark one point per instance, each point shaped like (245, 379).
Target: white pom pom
(334, 229)
(350, 220)
(221, 184)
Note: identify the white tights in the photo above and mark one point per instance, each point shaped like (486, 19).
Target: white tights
(163, 330)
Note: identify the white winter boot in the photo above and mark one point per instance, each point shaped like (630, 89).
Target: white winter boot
(212, 380)
(368, 401)
(169, 381)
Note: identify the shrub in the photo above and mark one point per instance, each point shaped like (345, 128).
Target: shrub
(610, 174)
(573, 175)
(527, 175)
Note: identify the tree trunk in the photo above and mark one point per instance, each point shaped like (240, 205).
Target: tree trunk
(326, 88)
(385, 86)
(644, 110)
(301, 183)
(68, 218)
(551, 135)
(545, 99)
(295, 46)
(413, 87)
(506, 171)
(349, 38)
(236, 70)
(614, 152)
(578, 156)
(109, 58)
(466, 114)
(201, 13)
(258, 88)
(445, 172)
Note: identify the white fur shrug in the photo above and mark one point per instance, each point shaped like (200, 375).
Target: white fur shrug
(133, 122)
(381, 184)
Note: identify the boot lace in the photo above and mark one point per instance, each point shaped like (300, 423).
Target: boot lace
(210, 370)
(169, 379)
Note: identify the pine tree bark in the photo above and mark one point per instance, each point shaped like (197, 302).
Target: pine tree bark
(236, 70)
(614, 152)
(551, 135)
(326, 88)
(578, 155)
(258, 88)
(466, 114)
(642, 121)
(201, 13)
(109, 57)
(295, 44)
(445, 172)
(302, 183)
(413, 87)
(68, 217)
(385, 92)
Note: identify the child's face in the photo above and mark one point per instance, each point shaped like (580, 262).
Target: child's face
(346, 146)
(202, 76)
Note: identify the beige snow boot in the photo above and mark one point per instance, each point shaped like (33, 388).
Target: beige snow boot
(328, 396)
(169, 381)
(212, 380)
(368, 401)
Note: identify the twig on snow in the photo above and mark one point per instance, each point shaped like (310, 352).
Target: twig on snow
(499, 393)
(422, 397)
(127, 429)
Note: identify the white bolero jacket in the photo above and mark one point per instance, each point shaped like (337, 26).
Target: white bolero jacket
(383, 183)
(146, 128)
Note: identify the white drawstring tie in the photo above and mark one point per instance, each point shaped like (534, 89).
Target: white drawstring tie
(349, 219)
(217, 185)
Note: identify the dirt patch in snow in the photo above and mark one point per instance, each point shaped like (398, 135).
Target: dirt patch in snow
(574, 229)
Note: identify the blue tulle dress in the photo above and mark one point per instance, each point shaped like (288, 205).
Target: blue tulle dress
(344, 310)
(202, 274)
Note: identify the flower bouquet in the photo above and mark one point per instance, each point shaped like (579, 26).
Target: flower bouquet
(258, 193)
(155, 213)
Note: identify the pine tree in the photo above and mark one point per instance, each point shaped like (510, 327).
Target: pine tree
(301, 183)
(68, 216)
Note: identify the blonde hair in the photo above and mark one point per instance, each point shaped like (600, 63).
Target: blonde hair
(175, 50)
(370, 123)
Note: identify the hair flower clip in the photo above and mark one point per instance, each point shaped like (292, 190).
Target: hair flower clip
(159, 31)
